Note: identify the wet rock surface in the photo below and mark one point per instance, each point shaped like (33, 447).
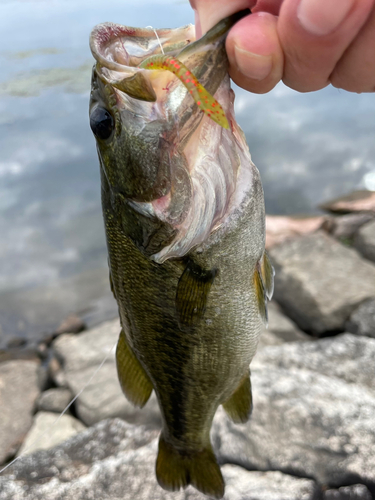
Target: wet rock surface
(80, 356)
(19, 390)
(319, 281)
(364, 240)
(362, 320)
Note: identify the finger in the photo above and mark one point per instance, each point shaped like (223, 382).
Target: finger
(314, 35)
(254, 53)
(271, 6)
(355, 71)
(211, 12)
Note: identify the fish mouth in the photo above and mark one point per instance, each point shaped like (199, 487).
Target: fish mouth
(209, 179)
(119, 50)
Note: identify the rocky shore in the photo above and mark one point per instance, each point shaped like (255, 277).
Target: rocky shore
(312, 431)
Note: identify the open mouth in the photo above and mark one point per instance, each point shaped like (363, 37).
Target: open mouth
(122, 48)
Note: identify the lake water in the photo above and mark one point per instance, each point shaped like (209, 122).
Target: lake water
(308, 148)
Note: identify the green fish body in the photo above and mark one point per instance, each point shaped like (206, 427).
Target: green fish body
(184, 218)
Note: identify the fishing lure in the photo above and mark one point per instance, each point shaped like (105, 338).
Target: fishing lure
(205, 101)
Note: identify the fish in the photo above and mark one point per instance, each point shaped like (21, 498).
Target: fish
(184, 217)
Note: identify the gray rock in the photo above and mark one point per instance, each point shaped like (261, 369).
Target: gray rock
(280, 329)
(345, 226)
(81, 355)
(355, 492)
(364, 240)
(357, 201)
(362, 320)
(304, 422)
(116, 461)
(319, 282)
(72, 324)
(244, 485)
(54, 400)
(46, 432)
(346, 356)
(19, 390)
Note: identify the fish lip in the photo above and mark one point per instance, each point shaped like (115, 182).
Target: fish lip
(106, 34)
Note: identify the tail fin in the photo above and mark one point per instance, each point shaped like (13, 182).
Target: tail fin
(175, 470)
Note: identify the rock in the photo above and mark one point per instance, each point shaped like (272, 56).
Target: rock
(28, 354)
(345, 226)
(115, 460)
(362, 320)
(56, 372)
(72, 324)
(355, 492)
(305, 422)
(19, 390)
(80, 356)
(54, 400)
(44, 434)
(319, 282)
(358, 201)
(347, 357)
(280, 329)
(364, 240)
(280, 228)
(244, 485)
(16, 342)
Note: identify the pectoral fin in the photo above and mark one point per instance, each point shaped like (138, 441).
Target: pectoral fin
(192, 292)
(239, 406)
(263, 283)
(134, 381)
(268, 274)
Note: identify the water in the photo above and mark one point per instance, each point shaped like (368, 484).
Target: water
(308, 147)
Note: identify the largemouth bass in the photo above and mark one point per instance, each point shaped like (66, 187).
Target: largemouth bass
(184, 218)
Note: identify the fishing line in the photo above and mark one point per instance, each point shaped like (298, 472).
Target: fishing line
(161, 47)
(36, 441)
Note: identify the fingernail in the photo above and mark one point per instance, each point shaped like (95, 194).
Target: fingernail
(322, 17)
(252, 65)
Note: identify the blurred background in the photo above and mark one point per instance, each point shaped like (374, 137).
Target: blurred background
(309, 148)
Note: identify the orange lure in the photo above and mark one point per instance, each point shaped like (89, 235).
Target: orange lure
(204, 99)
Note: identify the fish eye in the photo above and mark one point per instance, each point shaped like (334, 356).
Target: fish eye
(101, 123)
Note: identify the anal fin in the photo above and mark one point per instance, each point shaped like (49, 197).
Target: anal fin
(176, 469)
(239, 406)
(133, 379)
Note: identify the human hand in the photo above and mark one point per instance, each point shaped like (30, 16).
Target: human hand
(306, 43)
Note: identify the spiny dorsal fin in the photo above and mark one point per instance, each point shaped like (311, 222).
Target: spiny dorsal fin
(239, 406)
(192, 292)
(134, 381)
